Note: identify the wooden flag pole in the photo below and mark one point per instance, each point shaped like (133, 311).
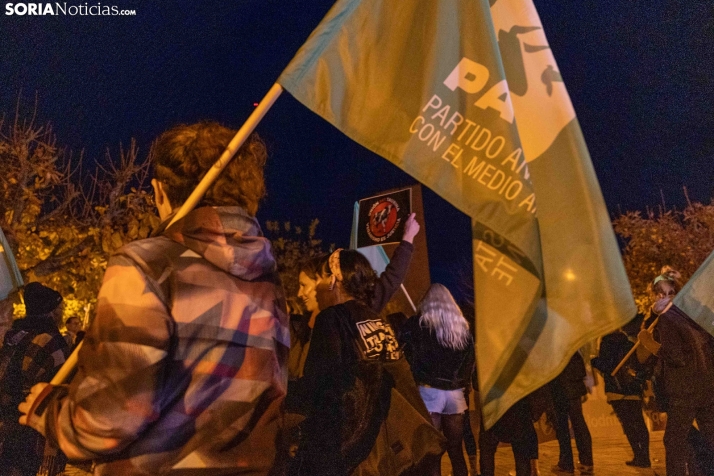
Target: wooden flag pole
(637, 344)
(409, 298)
(228, 154)
(243, 133)
(68, 367)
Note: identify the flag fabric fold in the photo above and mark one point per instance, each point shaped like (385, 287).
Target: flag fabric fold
(466, 97)
(10, 276)
(696, 298)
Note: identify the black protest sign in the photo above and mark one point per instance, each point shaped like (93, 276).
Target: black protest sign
(382, 217)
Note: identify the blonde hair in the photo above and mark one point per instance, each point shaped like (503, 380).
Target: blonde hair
(440, 313)
(670, 275)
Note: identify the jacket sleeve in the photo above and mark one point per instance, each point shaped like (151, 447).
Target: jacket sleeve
(672, 342)
(392, 277)
(115, 395)
(604, 361)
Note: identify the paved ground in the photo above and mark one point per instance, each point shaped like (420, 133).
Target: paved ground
(609, 453)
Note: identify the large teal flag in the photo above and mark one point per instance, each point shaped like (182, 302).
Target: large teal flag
(696, 298)
(465, 96)
(10, 276)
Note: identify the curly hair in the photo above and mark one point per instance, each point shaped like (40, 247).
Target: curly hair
(358, 277)
(182, 156)
(671, 276)
(440, 313)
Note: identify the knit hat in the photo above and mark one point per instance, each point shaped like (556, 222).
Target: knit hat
(40, 299)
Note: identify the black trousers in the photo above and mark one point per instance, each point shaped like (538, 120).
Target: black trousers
(629, 412)
(469, 439)
(514, 427)
(703, 458)
(571, 410)
(678, 450)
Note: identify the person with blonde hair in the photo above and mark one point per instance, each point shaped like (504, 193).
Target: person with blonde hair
(440, 349)
(684, 373)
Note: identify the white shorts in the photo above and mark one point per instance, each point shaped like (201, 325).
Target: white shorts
(446, 402)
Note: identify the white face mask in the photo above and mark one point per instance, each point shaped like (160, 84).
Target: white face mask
(661, 304)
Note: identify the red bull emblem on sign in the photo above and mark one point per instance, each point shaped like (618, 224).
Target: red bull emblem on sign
(381, 218)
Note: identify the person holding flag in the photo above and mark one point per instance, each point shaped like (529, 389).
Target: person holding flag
(364, 413)
(386, 285)
(685, 354)
(466, 97)
(183, 370)
(624, 390)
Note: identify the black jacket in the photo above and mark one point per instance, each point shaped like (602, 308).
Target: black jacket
(385, 287)
(392, 277)
(613, 348)
(357, 377)
(685, 369)
(433, 364)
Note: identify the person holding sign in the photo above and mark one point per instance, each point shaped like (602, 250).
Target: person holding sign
(183, 370)
(684, 373)
(364, 414)
(384, 288)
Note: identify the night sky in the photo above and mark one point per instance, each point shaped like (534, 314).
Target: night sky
(640, 75)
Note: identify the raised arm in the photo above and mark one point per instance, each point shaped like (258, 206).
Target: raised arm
(393, 276)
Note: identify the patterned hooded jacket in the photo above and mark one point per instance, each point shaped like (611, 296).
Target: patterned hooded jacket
(183, 370)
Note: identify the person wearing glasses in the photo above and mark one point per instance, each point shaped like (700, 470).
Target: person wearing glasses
(684, 373)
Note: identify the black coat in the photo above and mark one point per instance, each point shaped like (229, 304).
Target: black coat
(613, 348)
(358, 381)
(685, 367)
(433, 364)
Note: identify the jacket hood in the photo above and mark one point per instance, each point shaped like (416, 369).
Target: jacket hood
(228, 238)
